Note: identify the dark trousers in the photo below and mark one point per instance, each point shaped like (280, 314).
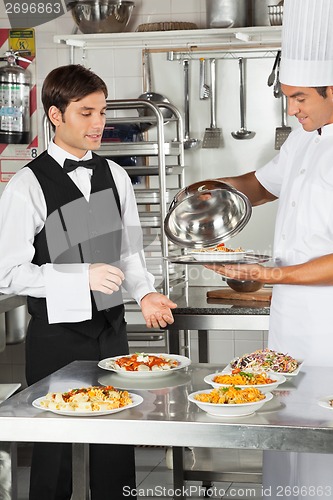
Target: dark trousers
(112, 467)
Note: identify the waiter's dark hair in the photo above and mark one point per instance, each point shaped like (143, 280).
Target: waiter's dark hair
(70, 83)
(322, 91)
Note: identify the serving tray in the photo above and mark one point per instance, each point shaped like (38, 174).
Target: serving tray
(248, 258)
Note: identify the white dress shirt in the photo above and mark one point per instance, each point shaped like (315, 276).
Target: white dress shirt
(22, 216)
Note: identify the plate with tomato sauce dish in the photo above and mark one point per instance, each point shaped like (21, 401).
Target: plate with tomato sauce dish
(145, 365)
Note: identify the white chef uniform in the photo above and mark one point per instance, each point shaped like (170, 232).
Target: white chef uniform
(301, 176)
(22, 216)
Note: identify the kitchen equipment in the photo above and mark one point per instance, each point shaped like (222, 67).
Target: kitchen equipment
(272, 76)
(189, 143)
(275, 14)
(282, 133)
(227, 13)
(101, 16)
(149, 95)
(15, 83)
(263, 295)
(206, 213)
(212, 137)
(243, 286)
(277, 92)
(242, 133)
(260, 12)
(204, 90)
(167, 26)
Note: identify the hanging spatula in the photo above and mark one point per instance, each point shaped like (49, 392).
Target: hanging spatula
(282, 133)
(212, 137)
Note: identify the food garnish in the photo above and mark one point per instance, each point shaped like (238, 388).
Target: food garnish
(89, 399)
(220, 248)
(142, 362)
(231, 395)
(266, 359)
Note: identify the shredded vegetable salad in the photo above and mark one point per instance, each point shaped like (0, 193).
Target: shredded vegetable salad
(89, 399)
(266, 359)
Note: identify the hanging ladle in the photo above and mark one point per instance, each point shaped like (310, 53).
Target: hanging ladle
(242, 133)
(189, 143)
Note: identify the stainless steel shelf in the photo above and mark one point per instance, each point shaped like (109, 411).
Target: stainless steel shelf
(146, 148)
(152, 196)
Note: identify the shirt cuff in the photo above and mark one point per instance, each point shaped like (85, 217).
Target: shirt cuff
(68, 297)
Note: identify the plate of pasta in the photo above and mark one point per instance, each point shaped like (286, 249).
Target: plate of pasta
(230, 401)
(145, 365)
(92, 401)
(267, 360)
(265, 382)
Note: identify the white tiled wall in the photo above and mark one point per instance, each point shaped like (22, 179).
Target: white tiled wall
(122, 71)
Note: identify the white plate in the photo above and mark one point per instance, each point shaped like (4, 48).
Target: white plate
(116, 379)
(264, 388)
(182, 360)
(324, 402)
(216, 256)
(136, 400)
(229, 410)
(228, 369)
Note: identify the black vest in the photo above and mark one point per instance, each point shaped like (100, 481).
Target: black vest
(69, 216)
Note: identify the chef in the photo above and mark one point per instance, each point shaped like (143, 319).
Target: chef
(301, 178)
(69, 239)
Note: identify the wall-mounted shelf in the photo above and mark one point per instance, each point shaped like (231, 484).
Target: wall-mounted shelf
(262, 37)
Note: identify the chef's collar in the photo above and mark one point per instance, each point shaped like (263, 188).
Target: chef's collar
(60, 155)
(326, 131)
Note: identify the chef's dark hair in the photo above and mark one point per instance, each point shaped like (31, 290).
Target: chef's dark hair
(70, 83)
(322, 91)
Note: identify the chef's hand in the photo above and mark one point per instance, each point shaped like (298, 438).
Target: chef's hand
(156, 310)
(105, 278)
(253, 272)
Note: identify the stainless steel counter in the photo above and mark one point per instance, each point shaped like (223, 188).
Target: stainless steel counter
(197, 312)
(167, 418)
(293, 420)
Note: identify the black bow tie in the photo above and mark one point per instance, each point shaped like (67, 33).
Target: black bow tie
(71, 165)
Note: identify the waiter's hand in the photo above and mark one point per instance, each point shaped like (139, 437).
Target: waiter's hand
(105, 278)
(156, 310)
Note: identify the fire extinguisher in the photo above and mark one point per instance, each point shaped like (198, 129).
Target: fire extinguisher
(15, 83)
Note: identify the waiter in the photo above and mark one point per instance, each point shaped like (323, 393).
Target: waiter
(69, 238)
(301, 178)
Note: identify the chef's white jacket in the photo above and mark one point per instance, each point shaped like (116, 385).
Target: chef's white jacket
(22, 216)
(301, 176)
(301, 318)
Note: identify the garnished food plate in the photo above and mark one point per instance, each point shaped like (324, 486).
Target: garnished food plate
(326, 402)
(266, 360)
(238, 258)
(92, 401)
(173, 362)
(231, 409)
(265, 382)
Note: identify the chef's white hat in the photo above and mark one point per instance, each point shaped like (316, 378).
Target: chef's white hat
(307, 43)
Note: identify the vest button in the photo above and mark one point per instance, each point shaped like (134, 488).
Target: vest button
(107, 310)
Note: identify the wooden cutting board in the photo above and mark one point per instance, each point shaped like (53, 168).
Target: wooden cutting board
(263, 295)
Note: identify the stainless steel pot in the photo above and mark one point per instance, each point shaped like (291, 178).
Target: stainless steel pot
(206, 213)
(227, 13)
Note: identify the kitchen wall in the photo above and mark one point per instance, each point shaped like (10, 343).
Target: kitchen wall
(122, 70)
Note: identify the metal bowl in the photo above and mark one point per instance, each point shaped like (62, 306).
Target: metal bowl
(275, 14)
(244, 286)
(206, 213)
(101, 16)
